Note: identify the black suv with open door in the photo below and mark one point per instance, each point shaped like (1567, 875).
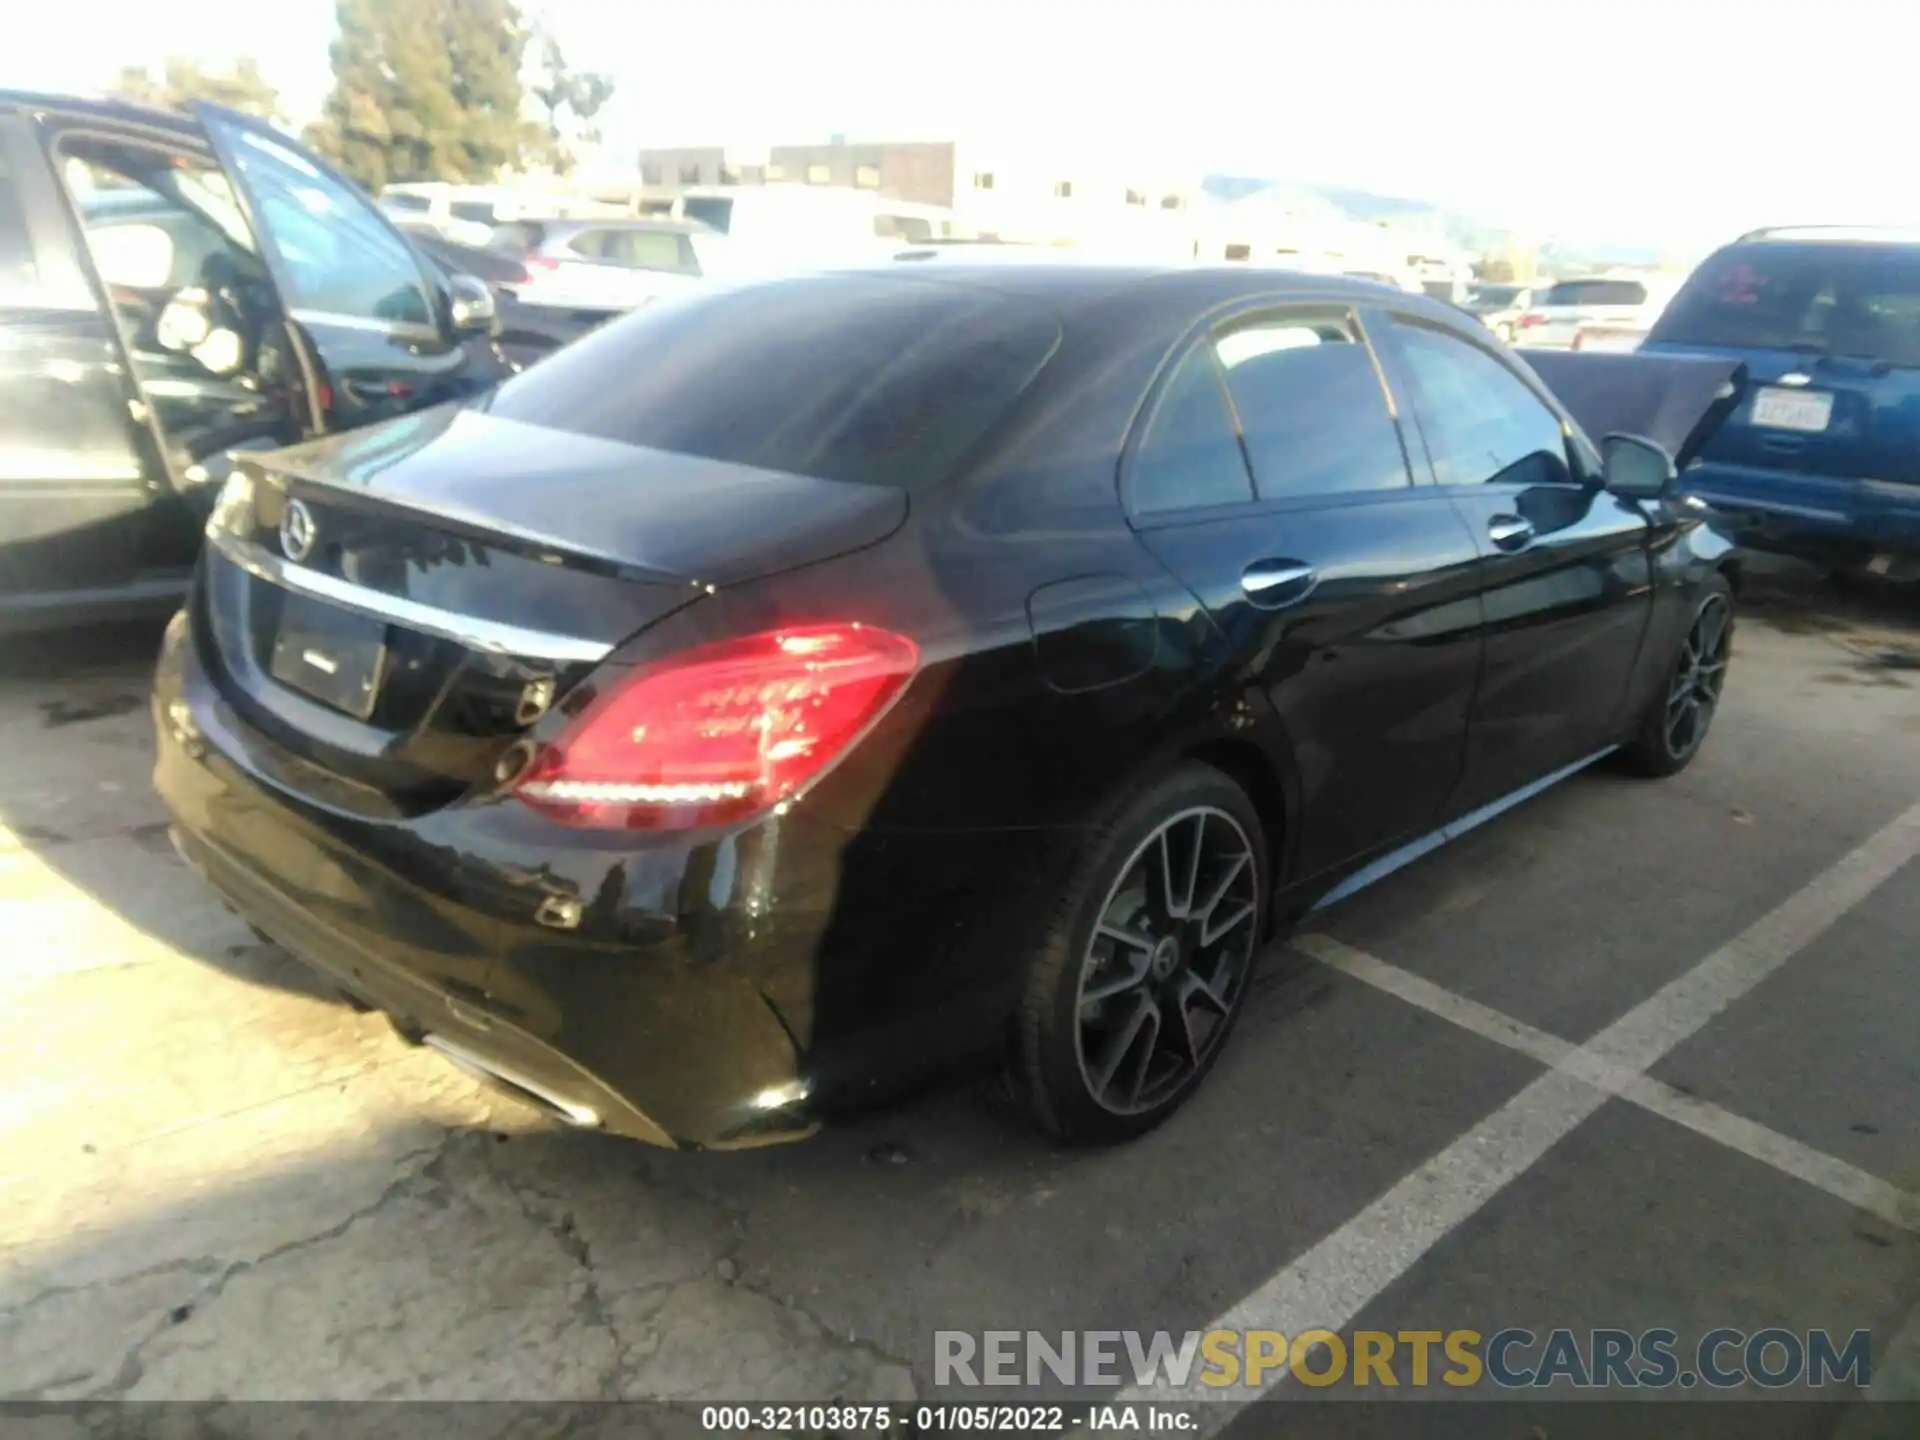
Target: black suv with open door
(174, 287)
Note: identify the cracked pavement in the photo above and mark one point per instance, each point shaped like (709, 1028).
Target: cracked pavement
(218, 1183)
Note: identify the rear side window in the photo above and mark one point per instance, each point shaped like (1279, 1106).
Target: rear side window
(876, 380)
(405, 204)
(715, 211)
(516, 237)
(1311, 407)
(649, 250)
(1481, 422)
(17, 272)
(1595, 292)
(1190, 456)
(1861, 300)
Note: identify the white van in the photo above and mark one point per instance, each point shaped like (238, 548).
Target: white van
(803, 227)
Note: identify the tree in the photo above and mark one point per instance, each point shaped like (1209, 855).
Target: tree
(242, 88)
(425, 90)
(1494, 269)
(580, 95)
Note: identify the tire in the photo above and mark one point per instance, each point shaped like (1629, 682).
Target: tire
(1681, 710)
(1182, 863)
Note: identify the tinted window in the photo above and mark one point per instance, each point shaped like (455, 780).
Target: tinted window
(1311, 408)
(844, 377)
(1596, 292)
(590, 243)
(479, 210)
(646, 249)
(412, 204)
(1189, 455)
(713, 210)
(17, 273)
(1837, 299)
(1481, 422)
(339, 258)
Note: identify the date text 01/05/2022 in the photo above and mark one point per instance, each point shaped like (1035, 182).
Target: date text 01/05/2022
(935, 1419)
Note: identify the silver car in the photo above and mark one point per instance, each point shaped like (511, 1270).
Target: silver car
(614, 264)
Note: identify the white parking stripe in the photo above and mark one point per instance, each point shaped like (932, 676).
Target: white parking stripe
(1330, 1284)
(1758, 1142)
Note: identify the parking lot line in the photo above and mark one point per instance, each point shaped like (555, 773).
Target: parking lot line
(1803, 1162)
(1333, 1281)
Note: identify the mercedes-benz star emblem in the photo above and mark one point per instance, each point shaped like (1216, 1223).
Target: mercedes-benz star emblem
(297, 531)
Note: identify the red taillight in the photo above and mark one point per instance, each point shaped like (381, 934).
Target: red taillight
(537, 263)
(1529, 320)
(722, 731)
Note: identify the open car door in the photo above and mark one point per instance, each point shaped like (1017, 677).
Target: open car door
(375, 321)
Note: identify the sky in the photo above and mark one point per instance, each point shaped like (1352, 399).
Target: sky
(1684, 122)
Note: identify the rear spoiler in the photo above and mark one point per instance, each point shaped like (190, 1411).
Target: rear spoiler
(1677, 401)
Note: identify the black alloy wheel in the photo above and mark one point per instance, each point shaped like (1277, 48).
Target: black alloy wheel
(1145, 968)
(1676, 723)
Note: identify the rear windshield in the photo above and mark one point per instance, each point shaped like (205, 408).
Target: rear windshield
(1497, 294)
(1834, 299)
(712, 210)
(1595, 292)
(879, 380)
(411, 204)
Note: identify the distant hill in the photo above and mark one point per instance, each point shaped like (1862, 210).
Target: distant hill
(1561, 256)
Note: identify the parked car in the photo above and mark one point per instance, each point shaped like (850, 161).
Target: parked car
(1824, 460)
(1556, 313)
(607, 265)
(783, 227)
(1499, 307)
(798, 688)
(173, 287)
(467, 214)
(525, 332)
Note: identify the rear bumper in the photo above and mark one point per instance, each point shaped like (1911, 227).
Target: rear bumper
(710, 990)
(1797, 510)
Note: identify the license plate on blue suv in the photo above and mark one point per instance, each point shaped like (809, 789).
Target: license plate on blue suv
(1792, 409)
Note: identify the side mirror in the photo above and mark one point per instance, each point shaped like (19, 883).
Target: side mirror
(1636, 469)
(470, 305)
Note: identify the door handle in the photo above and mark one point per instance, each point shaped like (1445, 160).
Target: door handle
(1510, 532)
(1273, 583)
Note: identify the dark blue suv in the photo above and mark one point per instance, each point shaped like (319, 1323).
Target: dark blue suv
(1822, 456)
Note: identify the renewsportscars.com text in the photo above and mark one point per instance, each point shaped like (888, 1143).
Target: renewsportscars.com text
(1511, 1358)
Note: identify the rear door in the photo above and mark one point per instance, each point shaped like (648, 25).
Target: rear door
(1565, 574)
(1271, 480)
(373, 316)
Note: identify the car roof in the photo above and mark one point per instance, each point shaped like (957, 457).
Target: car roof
(1071, 283)
(121, 111)
(612, 222)
(1832, 235)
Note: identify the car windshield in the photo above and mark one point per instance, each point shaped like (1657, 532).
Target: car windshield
(1596, 292)
(880, 380)
(1836, 299)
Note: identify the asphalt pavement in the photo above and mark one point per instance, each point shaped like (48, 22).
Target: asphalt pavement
(1637, 1055)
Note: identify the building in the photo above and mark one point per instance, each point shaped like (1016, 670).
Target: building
(1012, 190)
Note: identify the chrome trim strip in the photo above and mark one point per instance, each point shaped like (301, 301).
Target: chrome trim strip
(469, 630)
(399, 329)
(1452, 830)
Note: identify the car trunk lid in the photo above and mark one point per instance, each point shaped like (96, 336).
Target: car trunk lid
(398, 605)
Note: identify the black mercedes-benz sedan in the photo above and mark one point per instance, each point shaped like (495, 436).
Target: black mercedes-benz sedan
(795, 689)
